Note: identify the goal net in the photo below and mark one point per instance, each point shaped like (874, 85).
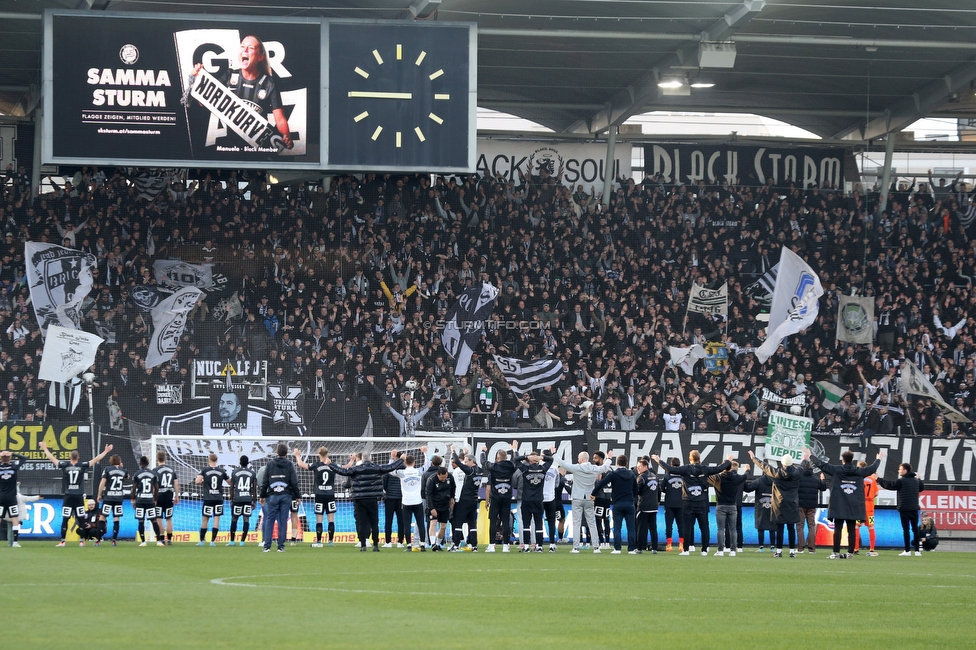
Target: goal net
(188, 456)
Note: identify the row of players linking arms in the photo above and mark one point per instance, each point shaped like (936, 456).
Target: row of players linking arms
(432, 494)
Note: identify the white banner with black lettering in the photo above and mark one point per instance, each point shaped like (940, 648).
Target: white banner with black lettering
(578, 164)
(169, 321)
(176, 273)
(703, 300)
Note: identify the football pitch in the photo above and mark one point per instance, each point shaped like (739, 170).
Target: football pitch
(186, 596)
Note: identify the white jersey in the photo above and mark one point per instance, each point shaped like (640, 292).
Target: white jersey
(459, 477)
(411, 482)
(549, 487)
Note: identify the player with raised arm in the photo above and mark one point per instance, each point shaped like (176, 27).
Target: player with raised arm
(244, 494)
(411, 482)
(111, 494)
(144, 499)
(9, 508)
(73, 485)
(468, 478)
(533, 486)
(211, 478)
(325, 502)
(167, 496)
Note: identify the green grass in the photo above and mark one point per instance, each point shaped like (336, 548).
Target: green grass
(336, 597)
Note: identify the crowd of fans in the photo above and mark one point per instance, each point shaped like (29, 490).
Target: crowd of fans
(343, 288)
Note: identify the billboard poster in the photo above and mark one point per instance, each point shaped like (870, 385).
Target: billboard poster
(182, 90)
(950, 510)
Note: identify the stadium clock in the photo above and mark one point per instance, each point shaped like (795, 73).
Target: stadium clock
(399, 96)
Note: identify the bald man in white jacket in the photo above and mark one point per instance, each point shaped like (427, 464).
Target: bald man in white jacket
(585, 475)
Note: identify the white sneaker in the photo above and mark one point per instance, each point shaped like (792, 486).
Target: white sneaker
(15, 545)
(731, 553)
(633, 552)
(575, 550)
(317, 545)
(160, 543)
(399, 545)
(905, 554)
(727, 549)
(719, 553)
(142, 544)
(552, 548)
(684, 553)
(614, 552)
(704, 553)
(691, 547)
(387, 545)
(490, 549)
(597, 550)
(833, 556)
(918, 554)
(505, 548)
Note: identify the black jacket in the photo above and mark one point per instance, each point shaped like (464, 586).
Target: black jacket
(908, 488)
(673, 487)
(695, 491)
(280, 477)
(499, 477)
(810, 488)
(469, 491)
(367, 479)
(763, 512)
(786, 485)
(440, 493)
(846, 488)
(391, 486)
(623, 484)
(726, 486)
(648, 492)
(533, 478)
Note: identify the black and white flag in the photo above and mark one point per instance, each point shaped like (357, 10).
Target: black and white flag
(144, 297)
(176, 273)
(227, 308)
(66, 396)
(464, 323)
(169, 321)
(703, 300)
(60, 279)
(287, 404)
(67, 353)
(523, 376)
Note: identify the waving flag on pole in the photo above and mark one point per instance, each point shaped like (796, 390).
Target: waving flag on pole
(796, 302)
(169, 321)
(686, 358)
(464, 324)
(67, 353)
(523, 376)
(913, 382)
(60, 279)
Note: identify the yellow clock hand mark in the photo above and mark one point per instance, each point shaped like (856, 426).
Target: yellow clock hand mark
(379, 95)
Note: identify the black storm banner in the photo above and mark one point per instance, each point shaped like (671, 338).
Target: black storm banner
(182, 90)
(750, 165)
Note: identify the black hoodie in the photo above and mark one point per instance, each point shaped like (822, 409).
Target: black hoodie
(908, 488)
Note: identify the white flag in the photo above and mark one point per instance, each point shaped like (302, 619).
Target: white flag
(913, 382)
(796, 302)
(169, 321)
(686, 358)
(709, 301)
(175, 273)
(60, 279)
(855, 319)
(67, 353)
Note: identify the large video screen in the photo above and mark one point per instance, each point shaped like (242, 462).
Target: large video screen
(183, 91)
